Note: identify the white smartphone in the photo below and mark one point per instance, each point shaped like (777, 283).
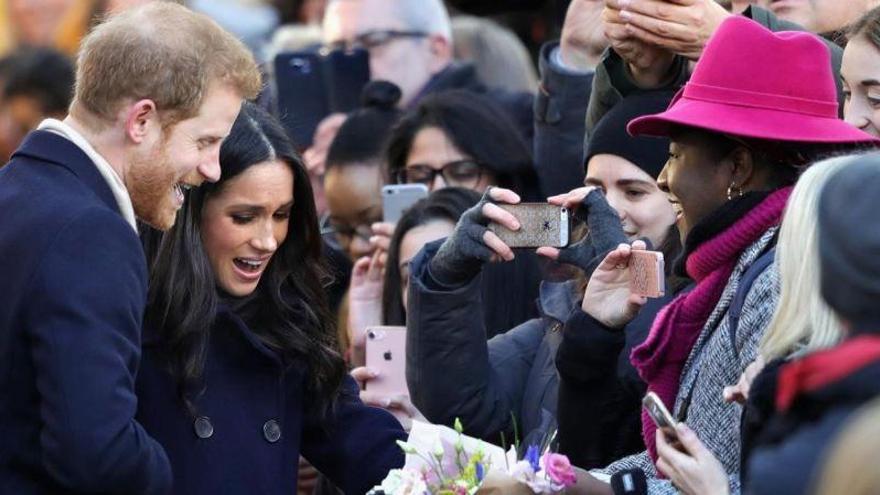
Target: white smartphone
(397, 198)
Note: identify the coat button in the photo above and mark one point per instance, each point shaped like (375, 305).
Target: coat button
(203, 427)
(271, 431)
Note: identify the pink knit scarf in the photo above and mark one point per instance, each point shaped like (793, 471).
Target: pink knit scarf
(660, 359)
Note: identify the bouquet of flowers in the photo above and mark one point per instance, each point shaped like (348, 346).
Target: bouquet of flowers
(441, 461)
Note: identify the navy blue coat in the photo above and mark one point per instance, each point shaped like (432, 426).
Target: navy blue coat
(74, 284)
(250, 424)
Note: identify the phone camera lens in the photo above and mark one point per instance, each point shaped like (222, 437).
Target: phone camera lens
(371, 335)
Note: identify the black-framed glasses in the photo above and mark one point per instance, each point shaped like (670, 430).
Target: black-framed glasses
(373, 39)
(460, 173)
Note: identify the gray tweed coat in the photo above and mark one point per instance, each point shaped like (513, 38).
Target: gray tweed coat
(714, 364)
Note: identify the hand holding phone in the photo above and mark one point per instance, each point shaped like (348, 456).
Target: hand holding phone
(661, 417)
(541, 224)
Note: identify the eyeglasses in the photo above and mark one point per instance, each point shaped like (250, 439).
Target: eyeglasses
(345, 234)
(373, 39)
(460, 173)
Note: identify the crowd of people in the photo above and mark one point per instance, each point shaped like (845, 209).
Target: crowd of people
(189, 284)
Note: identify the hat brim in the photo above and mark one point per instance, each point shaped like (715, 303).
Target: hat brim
(749, 122)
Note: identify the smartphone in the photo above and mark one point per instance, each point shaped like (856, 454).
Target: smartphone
(346, 72)
(301, 95)
(661, 417)
(397, 198)
(647, 274)
(541, 224)
(386, 353)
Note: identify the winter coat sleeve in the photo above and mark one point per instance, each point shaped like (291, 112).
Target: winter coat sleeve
(355, 445)
(560, 108)
(451, 370)
(85, 324)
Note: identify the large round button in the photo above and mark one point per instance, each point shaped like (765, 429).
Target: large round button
(271, 431)
(203, 427)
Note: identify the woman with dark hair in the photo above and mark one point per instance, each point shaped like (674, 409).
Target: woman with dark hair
(458, 138)
(241, 373)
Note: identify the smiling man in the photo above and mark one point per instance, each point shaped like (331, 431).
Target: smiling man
(157, 89)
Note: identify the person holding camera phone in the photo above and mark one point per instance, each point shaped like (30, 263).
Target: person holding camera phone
(600, 392)
(728, 177)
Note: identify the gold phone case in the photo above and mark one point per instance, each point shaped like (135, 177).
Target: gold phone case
(542, 224)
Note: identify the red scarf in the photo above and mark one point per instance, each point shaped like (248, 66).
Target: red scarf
(660, 359)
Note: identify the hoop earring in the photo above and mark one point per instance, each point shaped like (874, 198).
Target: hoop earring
(733, 189)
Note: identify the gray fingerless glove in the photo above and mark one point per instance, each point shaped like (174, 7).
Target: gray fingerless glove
(605, 234)
(462, 255)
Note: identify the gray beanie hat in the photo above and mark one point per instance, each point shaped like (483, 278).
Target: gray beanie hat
(849, 243)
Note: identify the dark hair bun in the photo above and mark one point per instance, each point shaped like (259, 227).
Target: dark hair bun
(381, 95)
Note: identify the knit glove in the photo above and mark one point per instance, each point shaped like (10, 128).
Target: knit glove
(462, 254)
(605, 234)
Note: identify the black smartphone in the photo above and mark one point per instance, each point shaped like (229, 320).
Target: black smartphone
(346, 72)
(301, 94)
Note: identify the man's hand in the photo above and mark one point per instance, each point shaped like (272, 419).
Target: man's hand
(582, 41)
(679, 26)
(649, 64)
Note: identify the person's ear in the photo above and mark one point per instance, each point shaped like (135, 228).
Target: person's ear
(141, 121)
(440, 48)
(743, 169)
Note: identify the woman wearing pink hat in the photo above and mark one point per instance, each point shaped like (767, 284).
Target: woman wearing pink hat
(759, 106)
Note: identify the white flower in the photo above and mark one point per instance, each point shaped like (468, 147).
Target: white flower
(403, 482)
(522, 471)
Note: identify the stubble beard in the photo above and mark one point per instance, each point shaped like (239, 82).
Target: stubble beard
(150, 185)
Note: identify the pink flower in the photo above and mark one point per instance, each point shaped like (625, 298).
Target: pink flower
(558, 468)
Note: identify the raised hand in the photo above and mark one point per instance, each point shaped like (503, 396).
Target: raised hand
(582, 41)
(695, 470)
(471, 244)
(680, 26)
(608, 298)
(649, 64)
(588, 205)
(365, 301)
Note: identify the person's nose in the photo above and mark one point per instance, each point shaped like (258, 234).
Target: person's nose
(265, 240)
(438, 183)
(663, 179)
(857, 114)
(210, 167)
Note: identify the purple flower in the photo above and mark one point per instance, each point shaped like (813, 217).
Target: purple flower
(533, 456)
(480, 473)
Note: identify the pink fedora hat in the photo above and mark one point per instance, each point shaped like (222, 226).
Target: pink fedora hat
(751, 82)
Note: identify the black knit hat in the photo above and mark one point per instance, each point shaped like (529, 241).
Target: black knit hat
(849, 243)
(362, 136)
(610, 136)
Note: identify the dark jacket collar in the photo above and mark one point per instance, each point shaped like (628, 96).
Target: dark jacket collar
(50, 147)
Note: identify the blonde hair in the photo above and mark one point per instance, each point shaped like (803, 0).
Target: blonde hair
(852, 464)
(160, 51)
(803, 322)
(500, 58)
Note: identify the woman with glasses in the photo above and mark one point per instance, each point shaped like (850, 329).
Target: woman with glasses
(460, 139)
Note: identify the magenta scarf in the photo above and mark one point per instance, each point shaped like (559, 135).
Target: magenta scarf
(660, 359)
